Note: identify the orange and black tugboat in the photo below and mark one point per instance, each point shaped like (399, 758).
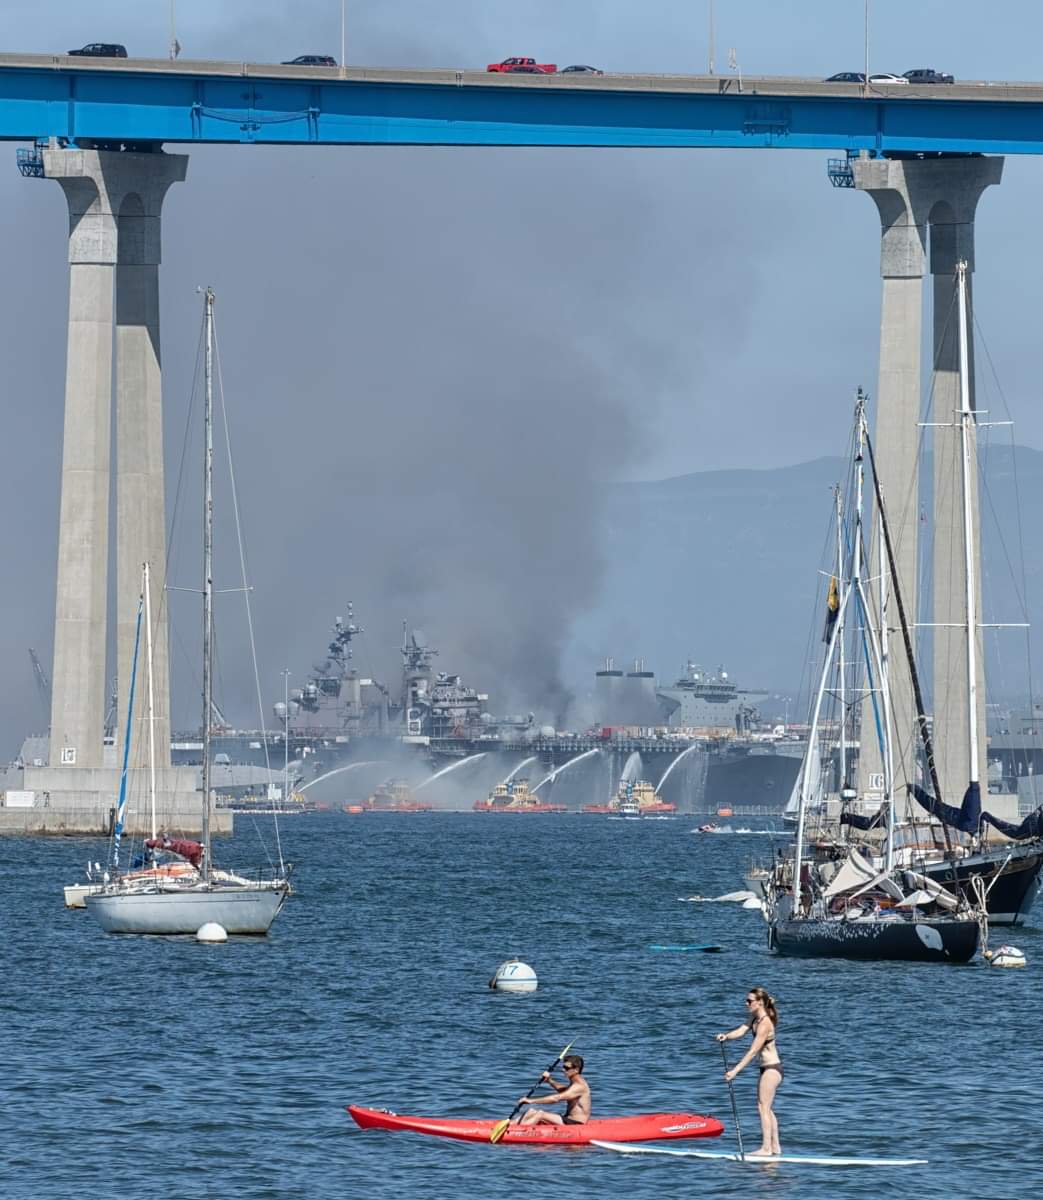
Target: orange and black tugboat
(634, 800)
(391, 796)
(515, 797)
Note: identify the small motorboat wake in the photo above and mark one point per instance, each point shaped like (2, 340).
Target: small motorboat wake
(727, 898)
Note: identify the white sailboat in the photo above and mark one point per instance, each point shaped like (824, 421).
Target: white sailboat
(155, 863)
(183, 904)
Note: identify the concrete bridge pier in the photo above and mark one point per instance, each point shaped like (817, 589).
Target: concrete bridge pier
(140, 501)
(912, 197)
(115, 201)
(952, 241)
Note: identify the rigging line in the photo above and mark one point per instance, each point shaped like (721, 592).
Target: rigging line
(1019, 515)
(910, 503)
(189, 422)
(992, 590)
(825, 556)
(813, 625)
(246, 590)
(169, 563)
(868, 667)
(896, 588)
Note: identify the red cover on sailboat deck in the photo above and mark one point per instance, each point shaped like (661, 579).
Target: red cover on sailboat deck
(193, 851)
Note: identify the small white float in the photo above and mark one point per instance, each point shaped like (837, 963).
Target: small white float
(514, 976)
(1005, 956)
(211, 932)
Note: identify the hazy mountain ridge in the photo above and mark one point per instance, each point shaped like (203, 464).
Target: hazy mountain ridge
(724, 567)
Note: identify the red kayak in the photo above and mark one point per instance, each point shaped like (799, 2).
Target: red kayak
(648, 1127)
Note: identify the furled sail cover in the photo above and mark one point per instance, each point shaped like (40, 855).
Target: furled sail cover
(942, 897)
(854, 872)
(858, 875)
(967, 818)
(1031, 827)
(857, 821)
(192, 851)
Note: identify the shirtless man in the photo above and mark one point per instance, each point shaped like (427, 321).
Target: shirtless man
(576, 1092)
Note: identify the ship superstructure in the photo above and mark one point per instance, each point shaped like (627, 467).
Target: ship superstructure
(437, 704)
(702, 699)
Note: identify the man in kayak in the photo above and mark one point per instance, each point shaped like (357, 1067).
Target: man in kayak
(575, 1092)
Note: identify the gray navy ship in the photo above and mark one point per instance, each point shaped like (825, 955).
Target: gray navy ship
(747, 771)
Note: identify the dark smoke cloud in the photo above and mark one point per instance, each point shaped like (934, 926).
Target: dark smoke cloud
(433, 356)
(434, 400)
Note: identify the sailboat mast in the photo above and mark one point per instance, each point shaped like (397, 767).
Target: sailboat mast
(840, 649)
(208, 557)
(966, 420)
(856, 533)
(146, 587)
(885, 703)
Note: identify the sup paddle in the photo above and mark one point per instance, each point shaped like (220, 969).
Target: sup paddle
(735, 1111)
(500, 1128)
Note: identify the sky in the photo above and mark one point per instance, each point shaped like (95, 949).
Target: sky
(433, 357)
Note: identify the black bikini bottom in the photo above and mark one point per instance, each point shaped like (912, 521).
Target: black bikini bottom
(572, 1121)
(773, 1067)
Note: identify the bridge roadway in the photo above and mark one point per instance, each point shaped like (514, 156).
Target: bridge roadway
(108, 103)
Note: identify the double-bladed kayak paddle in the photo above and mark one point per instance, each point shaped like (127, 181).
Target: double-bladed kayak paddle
(500, 1128)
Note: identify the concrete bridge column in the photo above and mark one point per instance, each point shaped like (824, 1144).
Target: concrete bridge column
(140, 505)
(952, 241)
(895, 187)
(114, 203)
(78, 675)
(912, 195)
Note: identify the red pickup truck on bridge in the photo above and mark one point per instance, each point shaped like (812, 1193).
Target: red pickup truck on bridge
(525, 66)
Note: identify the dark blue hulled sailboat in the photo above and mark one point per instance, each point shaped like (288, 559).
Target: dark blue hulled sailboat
(847, 905)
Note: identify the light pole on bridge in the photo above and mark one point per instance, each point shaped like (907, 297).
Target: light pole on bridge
(710, 43)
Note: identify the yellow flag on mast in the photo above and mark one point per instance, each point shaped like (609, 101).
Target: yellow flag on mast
(832, 607)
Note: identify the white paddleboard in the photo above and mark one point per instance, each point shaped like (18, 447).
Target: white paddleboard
(631, 1148)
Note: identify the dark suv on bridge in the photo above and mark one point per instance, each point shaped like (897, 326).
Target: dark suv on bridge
(927, 75)
(310, 60)
(100, 50)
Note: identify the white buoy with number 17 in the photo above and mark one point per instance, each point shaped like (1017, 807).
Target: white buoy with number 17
(514, 976)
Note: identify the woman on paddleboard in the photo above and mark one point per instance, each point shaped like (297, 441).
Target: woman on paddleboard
(763, 1019)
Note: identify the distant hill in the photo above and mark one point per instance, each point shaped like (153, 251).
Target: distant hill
(722, 567)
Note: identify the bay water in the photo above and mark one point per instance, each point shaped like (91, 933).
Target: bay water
(160, 1066)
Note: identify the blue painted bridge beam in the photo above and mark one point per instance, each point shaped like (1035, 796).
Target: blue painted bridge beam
(114, 102)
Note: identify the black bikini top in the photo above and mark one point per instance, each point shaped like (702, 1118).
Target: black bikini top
(771, 1036)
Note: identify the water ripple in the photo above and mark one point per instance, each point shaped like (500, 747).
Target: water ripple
(134, 1061)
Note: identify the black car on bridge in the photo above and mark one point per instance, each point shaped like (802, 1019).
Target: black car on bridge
(100, 50)
(311, 60)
